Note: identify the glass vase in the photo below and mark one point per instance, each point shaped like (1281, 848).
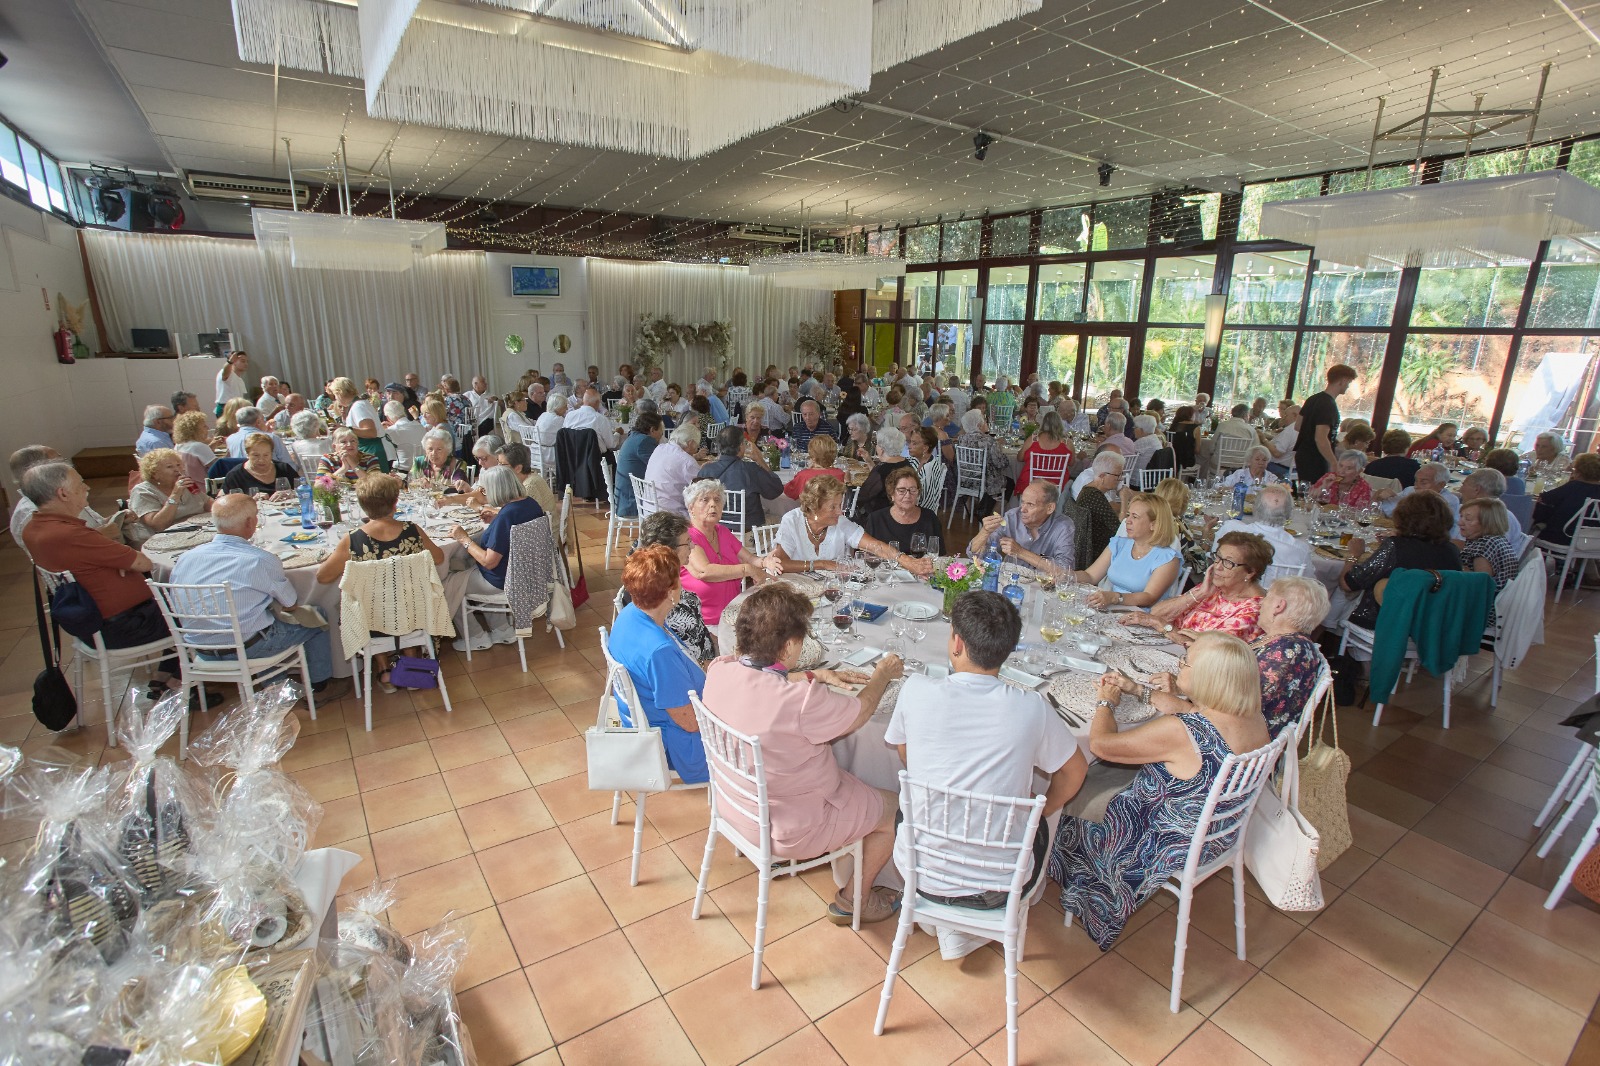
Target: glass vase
(330, 510)
(951, 595)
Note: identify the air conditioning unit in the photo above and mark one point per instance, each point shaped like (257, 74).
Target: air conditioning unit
(765, 234)
(258, 192)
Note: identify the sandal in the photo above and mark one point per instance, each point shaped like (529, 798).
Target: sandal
(880, 905)
(383, 682)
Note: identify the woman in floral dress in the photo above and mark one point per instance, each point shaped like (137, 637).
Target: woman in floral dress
(1290, 660)
(1228, 598)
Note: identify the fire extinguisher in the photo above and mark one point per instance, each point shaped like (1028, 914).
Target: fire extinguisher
(64, 339)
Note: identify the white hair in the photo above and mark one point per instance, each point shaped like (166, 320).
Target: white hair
(1490, 480)
(696, 489)
(488, 444)
(247, 416)
(1440, 472)
(307, 425)
(1305, 601)
(1117, 421)
(859, 421)
(1146, 424)
(500, 486)
(1555, 439)
(891, 441)
(394, 410)
(1358, 458)
(155, 413)
(1274, 505)
(438, 434)
(557, 404)
(686, 436)
(1110, 462)
(972, 421)
(913, 394)
(938, 411)
(1261, 450)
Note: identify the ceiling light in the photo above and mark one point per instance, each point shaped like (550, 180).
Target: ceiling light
(1105, 170)
(980, 145)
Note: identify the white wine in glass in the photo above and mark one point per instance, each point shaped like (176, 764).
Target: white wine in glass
(1051, 631)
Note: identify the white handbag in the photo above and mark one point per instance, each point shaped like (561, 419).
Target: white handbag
(1281, 846)
(624, 758)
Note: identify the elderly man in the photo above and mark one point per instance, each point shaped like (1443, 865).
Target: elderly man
(831, 393)
(719, 410)
(958, 397)
(736, 472)
(1431, 478)
(1146, 440)
(536, 400)
(1556, 508)
(656, 389)
(1033, 531)
(588, 415)
(1274, 508)
(230, 380)
(249, 419)
(1485, 483)
(481, 399)
(1075, 420)
(413, 381)
(23, 511)
(183, 403)
(293, 404)
(259, 585)
(157, 431)
(1113, 429)
(673, 465)
(1114, 404)
(1098, 501)
(271, 395)
(812, 421)
(633, 458)
(559, 378)
(773, 412)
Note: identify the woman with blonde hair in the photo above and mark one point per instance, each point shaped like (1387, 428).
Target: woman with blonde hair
(823, 452)
(165, 495)
(1108, 868)
(356, 412)
(191, 435)
(1140, 564)
(817, 536)
(228, 420)
(345, 458)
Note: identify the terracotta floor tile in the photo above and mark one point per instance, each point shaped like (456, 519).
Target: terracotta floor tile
(1574, 928)
(1518, 788)
(556, 760)
(420, 844)
(1403, 952)
(570, 798)
(553, 919)
(315, 750)
(539, 727)
(1427, 1034)
(823, 966)
(465, 713)
(589, 984)
(486, 780)
(1055, 953)
(677, 950)
(341, 820)
(790, 905)
(1471, 837)
(676, 814)
(1267, 929)
(1371, 832)
(499, 680)
(1212, 972)
(391, 734)
(1548, 969)
(1357, 994)
(329, 781)
(1047, 1034)
(505, 1021)
(808, 1046)
(517, 702)
(1282, 1027)
(1209, 1045)
(406, 802)
(527, 864)
(645, 1034)
(663, 882)
(1426, 906)
(598, 843)
(914, 1032)
(1347, 867)
(504, 818)
(969, 993)
(422, 899)
(1505, 1009)
(1493, 810)
(727, 1020)
(391, 767)
(1127, 1009)
(1441, 865)
(1384, 800)
(489, 950)
(469, 747)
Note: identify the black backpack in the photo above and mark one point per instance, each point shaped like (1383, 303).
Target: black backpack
(54, 705)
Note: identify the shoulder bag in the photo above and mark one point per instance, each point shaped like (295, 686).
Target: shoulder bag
(54, 705)
(1320, 787)
(624, 758)
(1281, 847)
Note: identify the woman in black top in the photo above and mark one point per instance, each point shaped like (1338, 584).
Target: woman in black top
(1181, 434)
(259, 474)
(902, 520)
(1421, 541)
(888, 444)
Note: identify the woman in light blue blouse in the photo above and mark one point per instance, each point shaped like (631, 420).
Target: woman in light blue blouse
(1141, 568)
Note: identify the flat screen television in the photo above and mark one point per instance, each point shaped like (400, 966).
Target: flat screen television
(218, 343)
(151, 340)
(535, 281)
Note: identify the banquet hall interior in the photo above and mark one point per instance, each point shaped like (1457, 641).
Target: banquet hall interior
(1324, 275)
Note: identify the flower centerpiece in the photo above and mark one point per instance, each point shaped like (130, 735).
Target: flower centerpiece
(776, 449)
(625, 413)
(1029, 429)
(955, 577)
(325, 494)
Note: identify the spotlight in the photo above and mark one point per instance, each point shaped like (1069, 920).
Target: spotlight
(107, 198)
(165, 207)
(980, 145)
(1105, 170)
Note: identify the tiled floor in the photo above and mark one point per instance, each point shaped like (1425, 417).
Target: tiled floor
(1433, 947)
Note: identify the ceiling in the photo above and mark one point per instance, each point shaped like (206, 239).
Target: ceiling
(1166, 90)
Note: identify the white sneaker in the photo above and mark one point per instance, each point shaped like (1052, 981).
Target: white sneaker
(507, 635)
(480, 642)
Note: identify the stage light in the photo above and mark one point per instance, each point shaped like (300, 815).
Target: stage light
(1105, 170)
(980, 145)
(107, 198)
(165, 207)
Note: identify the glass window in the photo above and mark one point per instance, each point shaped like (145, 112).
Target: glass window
(1258, 196)
(881, 298)
(916, 342)
(884, 242)
(957, 289)
(1008, 294)
(961, 240)
(1266, 288)
(1002, 352)
(1179, 289)
(1448, 378)
(1382, 178)
(1251, 363)
(1064, 230)
(1363, 351)
(1060, 295)
(11, 158)
(52, 181)
(1567, 294)
(1547, 389)
(918, 292)
(1469, 296)
(922, 244)
(1009, 236)
(1114, 290)
(1501, 164)
(954, 350)
(33, 166)
(1171, 367)
(1585, 161)
(1058, 358)
(1122, 224)
(1107, 368)
(1346, 296)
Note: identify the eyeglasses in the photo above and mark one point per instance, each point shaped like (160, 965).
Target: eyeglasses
(684, 544)
(1225, 562)
(907, 490)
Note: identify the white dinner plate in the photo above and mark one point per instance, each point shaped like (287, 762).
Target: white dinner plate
(915, 612)
(862, 657)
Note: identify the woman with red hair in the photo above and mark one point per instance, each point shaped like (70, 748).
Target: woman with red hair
(663, 673)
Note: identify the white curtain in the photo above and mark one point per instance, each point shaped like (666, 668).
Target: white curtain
(304, 325)
(763, 315)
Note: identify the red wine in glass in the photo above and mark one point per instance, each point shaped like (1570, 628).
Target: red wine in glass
(873, 562)
(842, 620)
(832, 594)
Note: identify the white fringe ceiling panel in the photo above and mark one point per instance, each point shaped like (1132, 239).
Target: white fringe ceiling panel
(302, 34)
(826, 270)
(311, 239)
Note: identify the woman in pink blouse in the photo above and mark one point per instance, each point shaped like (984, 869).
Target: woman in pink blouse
(718, 561)
(1343, 486)
(815, 807)
(1227, 600)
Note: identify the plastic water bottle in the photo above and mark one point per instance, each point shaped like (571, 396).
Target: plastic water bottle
(992, 562)
(1016, 594)
(308, 509)
(1239, 492)
(1438, 453)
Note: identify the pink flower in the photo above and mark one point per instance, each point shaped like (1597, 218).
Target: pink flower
(956, 570)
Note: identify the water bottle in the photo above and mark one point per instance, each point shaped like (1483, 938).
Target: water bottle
(308, 509)
(1239, 492)
(992, 562)
(1016, 594)
(1438, 453)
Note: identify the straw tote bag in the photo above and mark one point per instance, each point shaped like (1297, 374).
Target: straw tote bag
(1321, 787)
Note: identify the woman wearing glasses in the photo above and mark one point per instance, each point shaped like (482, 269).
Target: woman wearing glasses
(905, 524)
(1228, 599)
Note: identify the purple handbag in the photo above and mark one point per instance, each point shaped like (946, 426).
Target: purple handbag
(412, 672)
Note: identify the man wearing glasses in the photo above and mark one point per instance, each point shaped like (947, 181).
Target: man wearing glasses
(1033, 531)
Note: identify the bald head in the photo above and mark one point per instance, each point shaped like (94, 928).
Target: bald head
(235, 515)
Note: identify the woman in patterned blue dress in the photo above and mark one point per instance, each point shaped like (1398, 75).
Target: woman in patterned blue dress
(1108, 869)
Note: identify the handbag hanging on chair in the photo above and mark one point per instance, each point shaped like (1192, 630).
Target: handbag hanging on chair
(622, 758)
(1281, 847)
(1322, 776)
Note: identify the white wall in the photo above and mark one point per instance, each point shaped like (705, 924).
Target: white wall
(539, 321)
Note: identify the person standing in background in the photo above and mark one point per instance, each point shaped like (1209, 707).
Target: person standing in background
(1319, 424)
(230, 380)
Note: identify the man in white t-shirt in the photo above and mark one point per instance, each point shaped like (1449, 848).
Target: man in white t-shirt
(230, 379)
(271, 396)
(972, 731)
(480, 399)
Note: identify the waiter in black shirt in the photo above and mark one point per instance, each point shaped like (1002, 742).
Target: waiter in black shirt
(1319, 426)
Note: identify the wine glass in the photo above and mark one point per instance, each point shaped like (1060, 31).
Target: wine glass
(843, 619)
(1052, 627)
(919, 544)
(282, 484)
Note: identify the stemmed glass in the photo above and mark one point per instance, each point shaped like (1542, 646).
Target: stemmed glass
(919, 543)
(916, 633)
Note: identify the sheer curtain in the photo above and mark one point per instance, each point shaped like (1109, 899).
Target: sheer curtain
(305, 325)
(763, 315)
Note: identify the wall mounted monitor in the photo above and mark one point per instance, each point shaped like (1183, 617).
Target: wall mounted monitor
(535, 281)
(151, 340)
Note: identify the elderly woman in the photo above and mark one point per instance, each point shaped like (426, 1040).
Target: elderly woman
(675, 404)
(1100, 519)
(718, 560)
(823, 451)
(1108, 868)
(1421, 541)
(346, 460)
(228, 420)
(1358, 435)
(816, 807)
(1139, 565)
(1485, 525)
(1509, 464)
(1474, 439)
(662, 672)
(1051, 439)
(490, 553)
(975, 434)
(1254, 473)
(362, 419)
(684, 621)
(520, 459)
(860, 443)
(191, 436)
(516, 417)
(260, 474)
(1343, 486)
(1549, 460)
(891, 446)
(905, 525)
(1228, 598)
(165, 495)
(437, 467)
(435, 415)
(817, 536)
(700, 414)
(927, 460)
(1289, 659)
